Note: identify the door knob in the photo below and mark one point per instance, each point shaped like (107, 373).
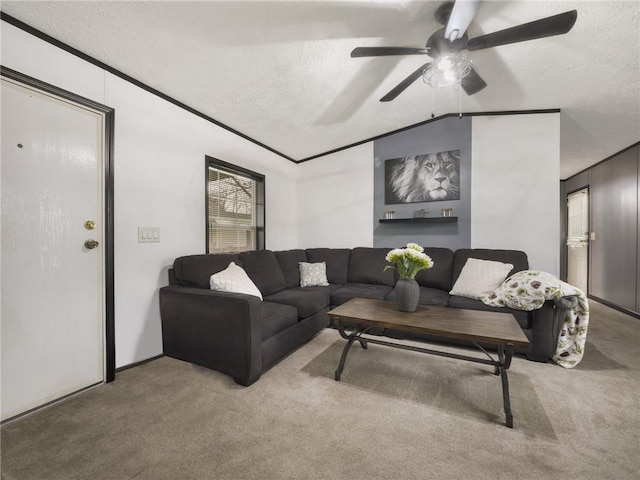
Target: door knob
(91, 244)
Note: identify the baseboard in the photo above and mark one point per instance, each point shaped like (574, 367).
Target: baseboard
(137, 364)
(614, 306)
(49, 404)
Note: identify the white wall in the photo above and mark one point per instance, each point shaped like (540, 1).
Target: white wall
(515, 186)
(159, 181)
(281, 194)
(335, 206)
(515, 190)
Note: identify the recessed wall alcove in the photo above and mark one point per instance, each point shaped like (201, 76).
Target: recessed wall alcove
(444, 135)
(509, 188)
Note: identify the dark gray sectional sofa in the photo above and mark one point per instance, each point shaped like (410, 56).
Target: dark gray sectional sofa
(242, 336)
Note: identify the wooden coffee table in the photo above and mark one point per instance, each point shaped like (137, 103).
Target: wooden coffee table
(501, 330)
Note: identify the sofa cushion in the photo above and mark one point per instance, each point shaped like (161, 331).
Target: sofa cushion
(428, 296)
(196, 270)
(234, 279)
(263, 268)
(359, 290)
(288, 261)
(306, 302)
(326, 291)
(523, 318)
(367, 265)
(439, 276)
(337, 260)
(515, 257)
(277, 317)
(313, 274)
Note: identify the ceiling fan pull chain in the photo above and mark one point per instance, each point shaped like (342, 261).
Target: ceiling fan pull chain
(460, 99)
(432, 114)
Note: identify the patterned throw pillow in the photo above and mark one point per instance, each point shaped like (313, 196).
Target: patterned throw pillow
(313, 274)
(479, 277)
(234, 280)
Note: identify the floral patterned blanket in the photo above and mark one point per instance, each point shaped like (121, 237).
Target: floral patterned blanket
(528, 290)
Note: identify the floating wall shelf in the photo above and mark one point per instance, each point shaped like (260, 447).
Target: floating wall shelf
(420, 220)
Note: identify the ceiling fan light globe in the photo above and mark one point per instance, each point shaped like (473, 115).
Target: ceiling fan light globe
(447, 70)
(444, 64)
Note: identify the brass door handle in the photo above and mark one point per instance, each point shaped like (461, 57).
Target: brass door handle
(91, 244)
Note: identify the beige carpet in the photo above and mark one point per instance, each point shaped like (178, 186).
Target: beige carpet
(395, 415)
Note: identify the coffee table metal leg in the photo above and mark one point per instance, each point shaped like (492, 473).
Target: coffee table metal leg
(355, 335)
(504, 356)
(343, 358)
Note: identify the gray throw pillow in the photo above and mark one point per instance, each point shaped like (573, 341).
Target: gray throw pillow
(313, 274)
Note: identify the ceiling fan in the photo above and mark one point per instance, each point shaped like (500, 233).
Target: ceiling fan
(446, 44)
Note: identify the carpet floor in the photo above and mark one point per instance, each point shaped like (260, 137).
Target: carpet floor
(396, 414)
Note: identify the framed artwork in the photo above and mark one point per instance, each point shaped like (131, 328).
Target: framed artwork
(431, 177)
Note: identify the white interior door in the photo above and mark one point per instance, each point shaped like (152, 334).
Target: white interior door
(578, 239)
(52, 305)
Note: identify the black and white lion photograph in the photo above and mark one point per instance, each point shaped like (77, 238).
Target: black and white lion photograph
(431, 177)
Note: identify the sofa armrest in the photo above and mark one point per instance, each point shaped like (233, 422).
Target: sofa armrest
(218, 330)
(545, 328)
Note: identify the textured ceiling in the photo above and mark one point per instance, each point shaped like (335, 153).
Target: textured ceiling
(280, 71)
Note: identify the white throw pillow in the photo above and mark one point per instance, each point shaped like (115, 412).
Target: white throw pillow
(235, 280)
(313, 274)
(479, 277)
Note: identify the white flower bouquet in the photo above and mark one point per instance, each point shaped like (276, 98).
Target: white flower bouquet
(408, 261)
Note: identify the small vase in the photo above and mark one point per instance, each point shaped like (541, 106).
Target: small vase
(407, 294)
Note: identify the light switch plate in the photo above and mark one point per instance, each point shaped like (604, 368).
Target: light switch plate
(148, 234)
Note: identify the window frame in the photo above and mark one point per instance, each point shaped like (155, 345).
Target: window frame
(259, 205)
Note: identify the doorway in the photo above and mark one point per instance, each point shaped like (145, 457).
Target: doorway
(56, 290)
(578, 239)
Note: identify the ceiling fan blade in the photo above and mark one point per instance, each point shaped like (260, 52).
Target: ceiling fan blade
(460, 18)
(384, 51)
(472, 82)
(545, 27)
(402, 86)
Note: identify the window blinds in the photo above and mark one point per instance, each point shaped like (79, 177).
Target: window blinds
(231, 211)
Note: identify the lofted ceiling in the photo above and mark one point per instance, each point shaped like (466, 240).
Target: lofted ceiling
(280, 72)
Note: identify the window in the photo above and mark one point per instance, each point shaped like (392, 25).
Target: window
(235, 208)
(578, 215)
